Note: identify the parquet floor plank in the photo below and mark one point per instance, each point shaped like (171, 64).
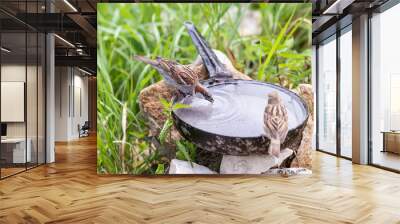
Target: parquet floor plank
(70, 191)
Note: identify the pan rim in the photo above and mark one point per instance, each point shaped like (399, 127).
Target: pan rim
(212, 82)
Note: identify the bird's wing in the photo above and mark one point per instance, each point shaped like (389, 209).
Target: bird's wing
(184, 75)
(186, 89)
(269, 130)
(169, 79)
(284, 124)
(276, 121)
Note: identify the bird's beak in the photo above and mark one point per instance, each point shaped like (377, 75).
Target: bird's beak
(208, 98)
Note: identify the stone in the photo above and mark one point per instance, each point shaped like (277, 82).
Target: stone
(287, 172)
(212, 160)
(304, 151)
(183, 167)
(253, 164)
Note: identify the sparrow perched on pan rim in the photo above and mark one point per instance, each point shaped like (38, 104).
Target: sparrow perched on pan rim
(275, 123)
(182, 77)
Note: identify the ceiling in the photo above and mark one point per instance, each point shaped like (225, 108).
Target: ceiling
(74, 22)
(331, 15)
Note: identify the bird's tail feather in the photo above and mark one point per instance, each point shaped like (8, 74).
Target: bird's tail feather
(145, 60)
(274, 147)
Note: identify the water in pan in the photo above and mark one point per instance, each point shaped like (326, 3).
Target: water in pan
(237, 110)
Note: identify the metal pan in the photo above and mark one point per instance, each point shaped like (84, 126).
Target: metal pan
(233, 124)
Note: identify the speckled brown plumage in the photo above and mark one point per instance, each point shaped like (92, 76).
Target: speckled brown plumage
(275, 123)
(182, 77)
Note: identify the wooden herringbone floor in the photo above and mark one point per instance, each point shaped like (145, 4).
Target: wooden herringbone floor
(70, 191)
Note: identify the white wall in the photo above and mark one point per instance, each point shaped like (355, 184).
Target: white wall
(79, 117)
(62, 81)
(70, 83)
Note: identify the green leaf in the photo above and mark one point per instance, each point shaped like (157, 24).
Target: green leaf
(290, 55)
(182, 153)
(160, 169)
(165, 103)
(186, 151)
(178, 106)
(281, 36)
(165, 130)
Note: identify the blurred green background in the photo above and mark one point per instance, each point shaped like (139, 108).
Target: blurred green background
(279, 51)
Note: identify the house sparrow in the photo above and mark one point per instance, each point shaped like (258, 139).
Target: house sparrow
(275, 123)
(182, 77)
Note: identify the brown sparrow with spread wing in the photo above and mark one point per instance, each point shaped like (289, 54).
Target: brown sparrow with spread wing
(182, 77)
(275, 123)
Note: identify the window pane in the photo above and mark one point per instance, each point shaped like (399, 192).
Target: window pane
(31, 97)
(386, 89)
(15, 150)
(327, 97)
(346, 93)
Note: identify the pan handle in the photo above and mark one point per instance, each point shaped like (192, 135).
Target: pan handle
(213, 65)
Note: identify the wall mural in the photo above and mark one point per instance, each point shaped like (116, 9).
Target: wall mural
(204, 89)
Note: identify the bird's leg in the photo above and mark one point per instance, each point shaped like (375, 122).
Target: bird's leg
(180, 94)
(295, 156)
(276, 160)
(174, 97)
(194, 90)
